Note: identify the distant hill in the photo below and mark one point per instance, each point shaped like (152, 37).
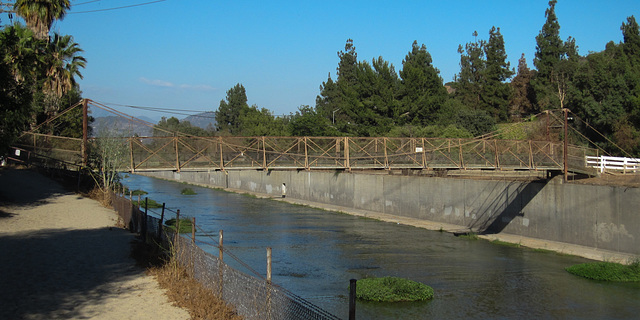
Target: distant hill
(121, 125)
(127, 127)
(203, 120)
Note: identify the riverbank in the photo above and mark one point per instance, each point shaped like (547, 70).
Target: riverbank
(598, 222)
(559, 247)
(516, 240)
(63, 258)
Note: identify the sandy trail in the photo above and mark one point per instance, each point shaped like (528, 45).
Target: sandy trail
(62, 258)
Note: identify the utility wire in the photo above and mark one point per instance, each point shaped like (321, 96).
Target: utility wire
(81, 3)
(117, 8)
(162, 110)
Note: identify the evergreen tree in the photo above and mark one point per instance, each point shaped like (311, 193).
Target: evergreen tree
(549, 46)
(631, 48)
(631, 38)
(228, 113)
(555, 62)
(523, 95)
(496, 92)
(422, 93)
(470, 80)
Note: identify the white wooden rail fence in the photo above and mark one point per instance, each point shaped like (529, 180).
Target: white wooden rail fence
(604, 163)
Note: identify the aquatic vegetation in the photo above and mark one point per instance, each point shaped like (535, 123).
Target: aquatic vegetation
(607, 271)
(188, 192)
(150, 203)
(392, 289)
(185, 225)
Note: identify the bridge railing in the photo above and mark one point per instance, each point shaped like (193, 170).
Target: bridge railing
(336, 153)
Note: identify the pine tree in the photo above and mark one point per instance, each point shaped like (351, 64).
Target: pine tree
(523, 95)
(228, 113)
(555, 61)
(469, 81)
(422, 93)
(496, 92)
(549, 46)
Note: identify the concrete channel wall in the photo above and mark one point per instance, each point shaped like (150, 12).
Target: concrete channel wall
(600, 217)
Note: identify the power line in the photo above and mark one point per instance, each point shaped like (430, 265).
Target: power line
(81, 3)
(117, 8)
(163, 110)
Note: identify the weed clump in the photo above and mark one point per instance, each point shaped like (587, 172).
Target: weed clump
(607, 271)
(188, 192)
(469, 236)
(150, 203)
(185, 225)
(392, 289)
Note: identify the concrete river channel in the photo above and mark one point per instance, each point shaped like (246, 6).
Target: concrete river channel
(316, 252)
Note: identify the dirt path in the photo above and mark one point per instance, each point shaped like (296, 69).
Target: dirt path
(61, 257)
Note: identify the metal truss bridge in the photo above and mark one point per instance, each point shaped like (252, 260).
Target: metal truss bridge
(180, 152)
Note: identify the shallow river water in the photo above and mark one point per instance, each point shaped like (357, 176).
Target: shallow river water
(316, 252)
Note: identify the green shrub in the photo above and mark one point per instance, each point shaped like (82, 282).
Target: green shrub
(185, 225)
(188, 192)
(150, 203)
(392, 289)
(607, 271)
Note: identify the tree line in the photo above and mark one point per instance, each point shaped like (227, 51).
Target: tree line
(602, 89)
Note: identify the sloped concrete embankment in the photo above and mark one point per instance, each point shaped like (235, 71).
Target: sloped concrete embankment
(602, 221)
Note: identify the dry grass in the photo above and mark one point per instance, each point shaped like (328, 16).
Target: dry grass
(182, 289)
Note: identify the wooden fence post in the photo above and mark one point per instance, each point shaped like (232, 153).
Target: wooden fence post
(193, 230)
(352, 299)
(177, 233)
(143, 226)
(160, 222)
(220, 267)
(220, 253)
(269, 265)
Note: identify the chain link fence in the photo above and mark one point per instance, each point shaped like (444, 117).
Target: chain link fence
(254, 297)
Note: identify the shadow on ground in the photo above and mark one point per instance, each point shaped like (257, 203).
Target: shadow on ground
(17, 188)
(51, 274)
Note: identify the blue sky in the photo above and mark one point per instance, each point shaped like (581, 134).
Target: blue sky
(185, 54)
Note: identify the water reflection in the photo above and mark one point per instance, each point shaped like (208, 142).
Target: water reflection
(315, 253)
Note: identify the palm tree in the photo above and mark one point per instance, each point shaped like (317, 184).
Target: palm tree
(40, 14)
(63, 65)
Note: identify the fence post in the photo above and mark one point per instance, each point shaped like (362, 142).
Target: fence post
(85, 126)
(193, 230)
(177, 233)
(268, 302)
(144, 221)
(220, 267)
(220, 246)
(160, 223)
(352, 299)
(269, 265)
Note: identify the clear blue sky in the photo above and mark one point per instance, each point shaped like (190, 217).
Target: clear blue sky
(186, 54)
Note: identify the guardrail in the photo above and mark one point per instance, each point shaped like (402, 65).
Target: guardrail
(605, 163)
